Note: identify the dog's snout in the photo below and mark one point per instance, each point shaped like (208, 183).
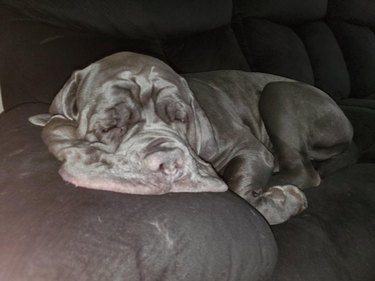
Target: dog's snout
(168, 162)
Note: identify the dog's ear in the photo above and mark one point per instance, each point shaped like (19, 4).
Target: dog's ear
(65, 102)
(200, 133)
(40, 119)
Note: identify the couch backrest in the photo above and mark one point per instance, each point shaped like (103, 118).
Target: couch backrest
(138, 19)
(328, 43)
(291, 38)
(47, 40)
(353, 23)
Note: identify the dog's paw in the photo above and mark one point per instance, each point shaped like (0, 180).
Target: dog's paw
(279, 203)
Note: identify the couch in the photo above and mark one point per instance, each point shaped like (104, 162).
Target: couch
(51, 230)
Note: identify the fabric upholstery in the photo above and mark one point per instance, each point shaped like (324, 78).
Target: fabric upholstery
(353, 11)
(361, 113)
(273, 48)
(364, 103)
(362, 119)
(30, 40)
(36, 59)
(326, 58)
(358, 45)
(334, 239)
(216, 49)
(340, 54)
(135, 19)
(54, 231)
(308, 52)
(289, 11)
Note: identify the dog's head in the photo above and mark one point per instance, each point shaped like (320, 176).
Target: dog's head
(129, 123)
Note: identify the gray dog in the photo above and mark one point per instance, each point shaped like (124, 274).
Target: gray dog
(129, 123)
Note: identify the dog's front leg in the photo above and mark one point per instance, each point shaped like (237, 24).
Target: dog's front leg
(247, 175)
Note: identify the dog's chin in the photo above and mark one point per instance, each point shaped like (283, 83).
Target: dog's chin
(198, 183)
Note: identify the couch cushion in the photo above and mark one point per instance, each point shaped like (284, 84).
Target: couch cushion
(136, 19)
(358, 46)
(308, 52)
(364, 103)
(286, 11)
(213, 50)
(362, 119)
(355, 11)
(361, 113)
(333, 240)
(37, 58)
(327, 61)
(51, 230)
(33, 48)
(273, 48)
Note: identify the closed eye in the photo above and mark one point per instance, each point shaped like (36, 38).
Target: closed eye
(176, 112)
(180, 116)
(108, 129)
(114, 128)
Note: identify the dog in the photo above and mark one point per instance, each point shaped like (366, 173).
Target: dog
(129, 123)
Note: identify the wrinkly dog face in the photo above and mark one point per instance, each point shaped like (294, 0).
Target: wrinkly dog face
(129, 123)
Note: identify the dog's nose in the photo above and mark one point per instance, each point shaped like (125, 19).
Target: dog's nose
(168, 161)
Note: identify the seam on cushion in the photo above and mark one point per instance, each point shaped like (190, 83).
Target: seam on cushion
(22, 104)
(293, 28)
(238, 30)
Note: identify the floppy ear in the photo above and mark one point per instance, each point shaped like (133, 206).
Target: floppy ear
(202, 138)
(64, 133)
(40, 119)
(66, 127)
(65, 102)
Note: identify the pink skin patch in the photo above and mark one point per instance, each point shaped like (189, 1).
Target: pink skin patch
(167, 167)
(115, 184)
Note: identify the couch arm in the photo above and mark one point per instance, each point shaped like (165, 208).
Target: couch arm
(51, 230)
(362, 119)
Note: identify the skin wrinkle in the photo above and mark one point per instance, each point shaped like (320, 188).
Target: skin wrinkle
(128, 123)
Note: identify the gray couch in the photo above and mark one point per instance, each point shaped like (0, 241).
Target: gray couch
(50, 230)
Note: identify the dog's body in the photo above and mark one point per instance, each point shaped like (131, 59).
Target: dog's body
(129, 123)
